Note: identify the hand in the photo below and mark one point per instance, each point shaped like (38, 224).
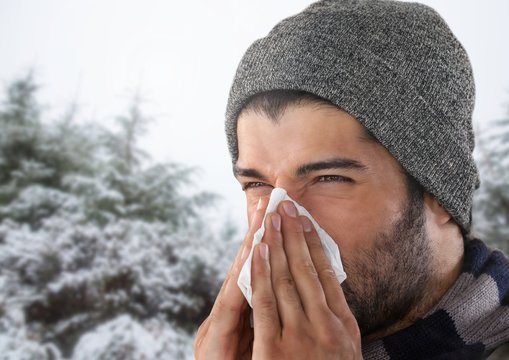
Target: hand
(299, 308)
(226, 333)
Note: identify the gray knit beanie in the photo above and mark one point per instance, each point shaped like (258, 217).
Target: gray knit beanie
(396, 67)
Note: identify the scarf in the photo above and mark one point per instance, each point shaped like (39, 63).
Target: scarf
(469, 322)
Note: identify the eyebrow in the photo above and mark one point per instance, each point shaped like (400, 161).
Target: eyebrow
(237, 171)
(335, 163)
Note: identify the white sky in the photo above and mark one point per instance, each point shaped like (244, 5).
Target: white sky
(183, 55)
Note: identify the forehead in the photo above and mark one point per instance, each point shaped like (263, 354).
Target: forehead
(304, 124)
(305, 133)
(274, 111)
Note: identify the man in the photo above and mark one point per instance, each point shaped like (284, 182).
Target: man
(361, 110)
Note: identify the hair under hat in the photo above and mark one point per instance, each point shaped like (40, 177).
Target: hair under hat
(396, 67)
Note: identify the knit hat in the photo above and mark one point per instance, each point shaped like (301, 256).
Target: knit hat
(396, 67)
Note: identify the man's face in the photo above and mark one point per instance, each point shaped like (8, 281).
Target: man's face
(355, 190)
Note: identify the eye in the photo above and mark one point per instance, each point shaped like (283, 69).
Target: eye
(253, 184)
(332, 179)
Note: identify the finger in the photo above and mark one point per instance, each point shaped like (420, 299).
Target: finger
(265, 308)
(300, 262)
(288, 300)
(254, 224)
(200, 334)
(230, 300)
(334, 295)
(246, 339)
(220, 330)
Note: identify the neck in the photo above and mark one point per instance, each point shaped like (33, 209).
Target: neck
(480, 290)
(448, 264)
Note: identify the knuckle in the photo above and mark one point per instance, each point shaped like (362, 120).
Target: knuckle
(328, 274)
(263, 302)
(285, 282)
(307, 267)
(352, 327)
(203, 326)
(274, 239)
(293, 227)
(314, 243)
(315, 246)
(287, 289)
(330, 338)
(296, 339)
(220, 308)
(335, 337)
(201, 333)
(197, 342)
(330, 332)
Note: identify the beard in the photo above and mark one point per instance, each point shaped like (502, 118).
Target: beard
(387, 282)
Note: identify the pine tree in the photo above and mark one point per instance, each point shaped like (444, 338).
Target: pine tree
(95, 239)
(491, 203)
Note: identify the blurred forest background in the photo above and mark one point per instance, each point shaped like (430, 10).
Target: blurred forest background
(105, 254)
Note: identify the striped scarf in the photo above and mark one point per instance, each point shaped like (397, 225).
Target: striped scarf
(469, 322)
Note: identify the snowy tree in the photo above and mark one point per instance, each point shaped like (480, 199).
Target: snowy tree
(97, 242)
(491, 206)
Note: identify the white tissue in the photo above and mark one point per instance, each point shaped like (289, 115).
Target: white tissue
(330, 247)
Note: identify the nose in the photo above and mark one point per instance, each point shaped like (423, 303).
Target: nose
(297, 193)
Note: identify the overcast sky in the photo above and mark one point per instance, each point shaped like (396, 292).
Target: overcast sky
(183, 55)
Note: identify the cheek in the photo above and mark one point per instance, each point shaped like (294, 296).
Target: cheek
(352, 226)
(348, 229)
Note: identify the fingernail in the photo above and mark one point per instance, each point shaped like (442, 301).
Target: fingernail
(276, 221)
(264, 251)
(290, 209)
(258, 207)
(307, 226)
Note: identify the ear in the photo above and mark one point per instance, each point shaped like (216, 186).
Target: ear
(435, 211)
